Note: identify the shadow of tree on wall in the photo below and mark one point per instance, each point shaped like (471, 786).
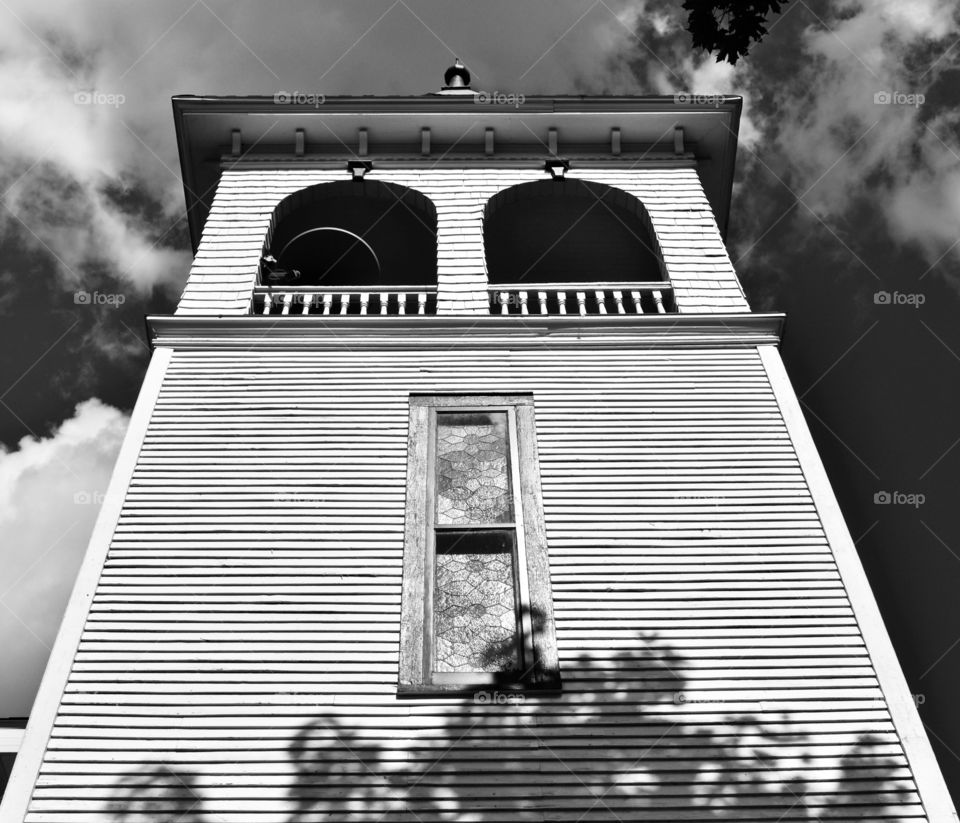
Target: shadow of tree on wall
(159, 792)
(629, 738)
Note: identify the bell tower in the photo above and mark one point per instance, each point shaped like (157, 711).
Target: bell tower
(464, 483)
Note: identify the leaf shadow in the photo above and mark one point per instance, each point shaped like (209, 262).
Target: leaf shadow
(640, 733)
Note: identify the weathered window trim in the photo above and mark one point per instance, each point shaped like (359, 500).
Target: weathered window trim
(538, 631)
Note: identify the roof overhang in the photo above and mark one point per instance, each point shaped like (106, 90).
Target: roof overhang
(215, 130)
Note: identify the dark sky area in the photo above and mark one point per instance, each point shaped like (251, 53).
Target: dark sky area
(846, 215)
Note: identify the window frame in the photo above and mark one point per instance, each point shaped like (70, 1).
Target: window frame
(536, 625)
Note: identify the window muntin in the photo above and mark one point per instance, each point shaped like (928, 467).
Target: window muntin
(470, 617)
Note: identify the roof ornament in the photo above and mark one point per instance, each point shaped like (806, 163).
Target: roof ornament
(456, 79)
(457, 76)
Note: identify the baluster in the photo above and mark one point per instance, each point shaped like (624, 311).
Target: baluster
(542, 296)
(344, 302)
(582, 302)
(327, 303)
(658, 299)
(504, 302)
(562, 301)
(287, 301)
(364, 302)
(307, 303)
(384, 301)
(636, 302)
(523, 302)
(401, 303)
(618, 297)
(601, 301)
(422, 302)
(267, 303)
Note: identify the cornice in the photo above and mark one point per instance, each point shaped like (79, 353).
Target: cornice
(258, 129)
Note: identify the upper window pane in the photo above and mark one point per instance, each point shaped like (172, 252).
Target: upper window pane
(473, 469)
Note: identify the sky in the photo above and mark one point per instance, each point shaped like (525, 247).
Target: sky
(845, 215)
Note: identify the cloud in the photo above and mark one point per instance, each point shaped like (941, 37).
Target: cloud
(923, 206)
(84, 92)
(66, 160)
(63, 158)
(855, 122)
(50, 491)
(815, 121)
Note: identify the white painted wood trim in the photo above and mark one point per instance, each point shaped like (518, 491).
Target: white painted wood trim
(422, 331)
(11, 740)
(906, 719)
(27, 765)
(414, 160)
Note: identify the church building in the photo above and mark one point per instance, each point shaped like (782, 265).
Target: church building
(464, 485)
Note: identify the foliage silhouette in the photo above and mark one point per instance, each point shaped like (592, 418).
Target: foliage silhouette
(729, 27)
(159, 792)
(668, 752)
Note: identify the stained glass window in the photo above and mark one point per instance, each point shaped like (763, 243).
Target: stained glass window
(475, 604)
(473, 469)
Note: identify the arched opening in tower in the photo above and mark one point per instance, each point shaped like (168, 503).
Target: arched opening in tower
(353, 233)
(569, 231)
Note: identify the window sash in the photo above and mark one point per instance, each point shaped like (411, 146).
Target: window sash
(521, 590)
(535, 623)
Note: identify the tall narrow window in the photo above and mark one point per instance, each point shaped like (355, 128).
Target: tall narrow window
(477, 607)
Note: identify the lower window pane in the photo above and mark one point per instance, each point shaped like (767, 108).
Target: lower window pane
(474, 611)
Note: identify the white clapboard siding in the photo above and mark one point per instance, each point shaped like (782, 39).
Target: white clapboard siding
(239, 660)
(224, 271)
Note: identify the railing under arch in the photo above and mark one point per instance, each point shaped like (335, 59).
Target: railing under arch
(581, 298)
(353, 300)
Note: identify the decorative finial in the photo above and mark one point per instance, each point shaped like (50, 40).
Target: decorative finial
(457, 76)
